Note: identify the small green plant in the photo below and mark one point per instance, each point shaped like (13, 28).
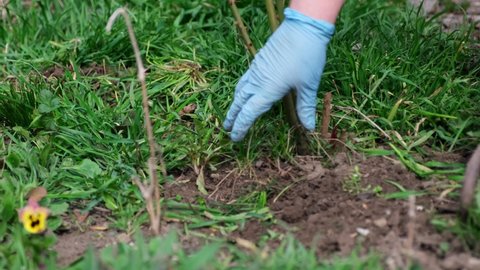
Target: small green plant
(353, 184)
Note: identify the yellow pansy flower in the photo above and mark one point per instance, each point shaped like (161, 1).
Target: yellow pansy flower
(34, 218)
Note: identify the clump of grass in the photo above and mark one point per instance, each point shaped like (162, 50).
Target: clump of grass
(402, 70)
(166, 251)
(16, 107)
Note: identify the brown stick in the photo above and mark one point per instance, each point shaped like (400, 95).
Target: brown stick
(327, 109)
(470, 180)
(272, 16)
(242, 28)
(280, 8)
(150, 193)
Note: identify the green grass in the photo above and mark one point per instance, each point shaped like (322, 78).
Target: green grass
(81, 135)
(165, 253)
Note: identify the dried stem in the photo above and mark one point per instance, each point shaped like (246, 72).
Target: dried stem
(151, 193)
(470, 181)
(272, 16)
(280, 8)
(242, 28)
(3, 9)
(327, 109)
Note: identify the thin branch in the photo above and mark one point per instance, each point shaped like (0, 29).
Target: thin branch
(327, 109)
(242, 28)
(153, 202)
(470, 180)
(272, 16)
(280, 8)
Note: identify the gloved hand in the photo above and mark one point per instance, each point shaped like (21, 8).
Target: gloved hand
(293, 57)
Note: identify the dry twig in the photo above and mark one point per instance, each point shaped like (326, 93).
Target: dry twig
(150, 192)
(272, 16)
(327, 109)
(470, 181)
(242, 28)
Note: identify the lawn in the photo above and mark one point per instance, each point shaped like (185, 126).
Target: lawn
(383, 195)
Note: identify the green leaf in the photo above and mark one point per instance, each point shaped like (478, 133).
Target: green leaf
(404, 194)
(378, 152)
(395, 184)
(87, 168)
(58, 208)
(110, 202)
(54, 223)
(201, 259)
(13, 160)
(422, 139)
(410, 163)
(394, 110)
(48, 102)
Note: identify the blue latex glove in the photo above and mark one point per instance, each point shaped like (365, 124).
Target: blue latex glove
(293, 57)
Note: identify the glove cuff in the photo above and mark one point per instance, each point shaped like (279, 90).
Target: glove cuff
(326, 28)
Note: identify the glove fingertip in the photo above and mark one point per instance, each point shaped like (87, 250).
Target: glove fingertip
(227, 124)
(308, 122)
(237, 136)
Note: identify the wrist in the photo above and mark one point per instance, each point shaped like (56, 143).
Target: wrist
(324, 27)
(326, 10)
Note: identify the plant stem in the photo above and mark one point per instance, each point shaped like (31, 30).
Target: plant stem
(153, 202)
(272, 16)
(280, 8)
(470, 181)
(242, 28)
(327, 108)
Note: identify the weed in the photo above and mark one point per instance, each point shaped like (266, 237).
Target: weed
(354, 182)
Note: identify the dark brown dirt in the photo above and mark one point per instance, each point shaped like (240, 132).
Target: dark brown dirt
(90, 70)
(456, 13)
(318, 210)
(335, 221)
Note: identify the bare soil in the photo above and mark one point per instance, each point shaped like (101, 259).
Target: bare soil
(456, 12)
(323, 215)
(313, 203)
